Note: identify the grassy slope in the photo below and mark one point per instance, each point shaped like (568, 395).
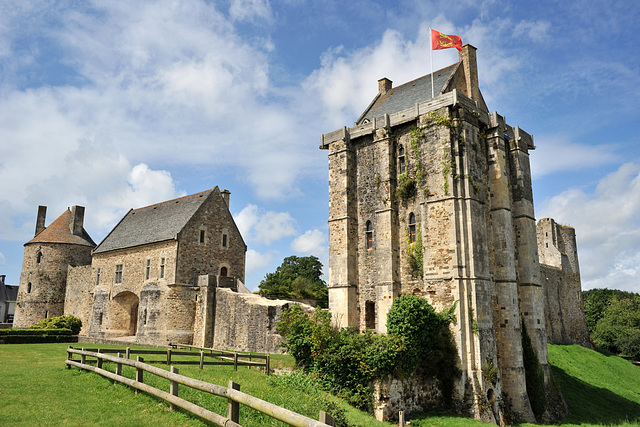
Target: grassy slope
(36, 389)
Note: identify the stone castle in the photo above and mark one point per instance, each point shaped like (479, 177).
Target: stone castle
(432, 196)
(169, 272)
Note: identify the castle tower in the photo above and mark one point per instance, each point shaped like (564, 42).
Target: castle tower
(47, 258)
(432, 197)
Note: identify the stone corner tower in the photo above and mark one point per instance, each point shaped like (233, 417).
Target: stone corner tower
(47, 258)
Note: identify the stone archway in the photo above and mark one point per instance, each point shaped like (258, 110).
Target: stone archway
(123, 315)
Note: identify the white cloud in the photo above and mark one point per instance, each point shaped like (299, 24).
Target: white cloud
(241, 10)
(265, 227)
(537, 31)
(3, 260)
(556, 154)
(257, 261)
(607, 224)
(312, 242)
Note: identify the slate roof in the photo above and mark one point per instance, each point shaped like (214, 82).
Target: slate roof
(59, 231)
(407, 95)
(155, 223)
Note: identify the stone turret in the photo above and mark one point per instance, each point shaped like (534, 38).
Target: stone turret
(47, 258)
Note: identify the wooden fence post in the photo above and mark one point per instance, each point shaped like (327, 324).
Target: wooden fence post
(119, 366)
(99, 361)
(128, 352)
(168, 356)
(173, 387)
(233, 408)
(235, 361)
(139, 372)
(268, 362)
(69, 356)
(327, 419)
(401, 422)
(201, 359)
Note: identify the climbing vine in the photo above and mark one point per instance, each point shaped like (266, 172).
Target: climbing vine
(414, 254)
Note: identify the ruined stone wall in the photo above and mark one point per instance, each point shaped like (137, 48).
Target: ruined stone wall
(43, 284)
(246, 322)
(79, 296)
(564, 309)
(195, 258)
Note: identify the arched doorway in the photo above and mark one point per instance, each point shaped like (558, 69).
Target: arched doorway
(123, 315)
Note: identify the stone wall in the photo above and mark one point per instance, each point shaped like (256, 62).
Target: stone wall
(79, 295)
(564, 309)
(246, 322)
(43, 284)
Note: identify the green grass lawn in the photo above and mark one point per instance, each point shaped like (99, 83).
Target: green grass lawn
(37, 389)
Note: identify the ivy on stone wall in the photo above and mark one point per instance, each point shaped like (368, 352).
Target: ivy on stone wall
(414, 254)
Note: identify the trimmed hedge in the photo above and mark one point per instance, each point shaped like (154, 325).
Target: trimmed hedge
(41, 332)
(36, 339)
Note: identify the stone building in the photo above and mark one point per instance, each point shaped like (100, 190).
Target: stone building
(8, 298)
(432, 196)
(55, 249)
(169, 272)
(564, 309)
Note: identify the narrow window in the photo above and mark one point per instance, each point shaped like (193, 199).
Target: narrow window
(29, 288)
(412, 228)
(224, 240)
(369, 235)
(118, 274)
(46, 314)
(370, 314)
(39, 257)
(162, 268)
(144, 317)
(402, 163)
(201, 236)
(223, 271)
(98, 276)
(147, 271)
(100, 318)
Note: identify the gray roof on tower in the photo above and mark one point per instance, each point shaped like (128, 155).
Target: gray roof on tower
(155, 223)
(409, 94)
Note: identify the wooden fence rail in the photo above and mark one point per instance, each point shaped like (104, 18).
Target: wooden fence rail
(225, 357)
(232, 393)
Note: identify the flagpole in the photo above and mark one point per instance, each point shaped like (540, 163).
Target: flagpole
(431, 60)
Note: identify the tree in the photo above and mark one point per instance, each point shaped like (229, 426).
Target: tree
(296, 277)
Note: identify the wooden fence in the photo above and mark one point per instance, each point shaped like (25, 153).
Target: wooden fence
(232, 393)
(219, 357)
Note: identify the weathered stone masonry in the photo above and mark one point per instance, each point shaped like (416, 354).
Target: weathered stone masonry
(433, 197)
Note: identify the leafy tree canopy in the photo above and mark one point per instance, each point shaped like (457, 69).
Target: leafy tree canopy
(296, 277)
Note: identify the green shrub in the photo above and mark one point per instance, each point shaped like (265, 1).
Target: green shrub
(69, 322)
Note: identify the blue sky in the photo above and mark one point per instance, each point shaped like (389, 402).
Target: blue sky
(119, 104)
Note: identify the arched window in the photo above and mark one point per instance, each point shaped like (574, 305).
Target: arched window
(412, 228)
(369, 235)
(402, 162)
(223, 271)
(39, 257)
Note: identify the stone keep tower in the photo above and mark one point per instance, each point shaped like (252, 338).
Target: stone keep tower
(432, 197)
(47, 258)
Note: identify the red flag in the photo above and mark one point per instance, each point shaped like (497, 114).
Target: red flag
(443, 41)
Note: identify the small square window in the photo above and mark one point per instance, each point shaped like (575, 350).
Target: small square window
(118, 274)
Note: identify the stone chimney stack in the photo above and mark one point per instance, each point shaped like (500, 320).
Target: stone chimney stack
(42, 215)
(2, 276)
(470, 64)
(78, 220)
(384, 85)
(226, 195)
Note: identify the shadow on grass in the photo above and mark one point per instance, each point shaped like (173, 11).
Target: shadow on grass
(591, 405)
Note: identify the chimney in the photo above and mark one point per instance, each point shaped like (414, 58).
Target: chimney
(42, 215)
(77, 220)
(225, 195)
(2, 276)
(384, 85)
(470, 65)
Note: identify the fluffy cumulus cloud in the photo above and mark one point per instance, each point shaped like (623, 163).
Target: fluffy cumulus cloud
(263, 226)
(256, 262)
(607, 224)
(312, 242)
